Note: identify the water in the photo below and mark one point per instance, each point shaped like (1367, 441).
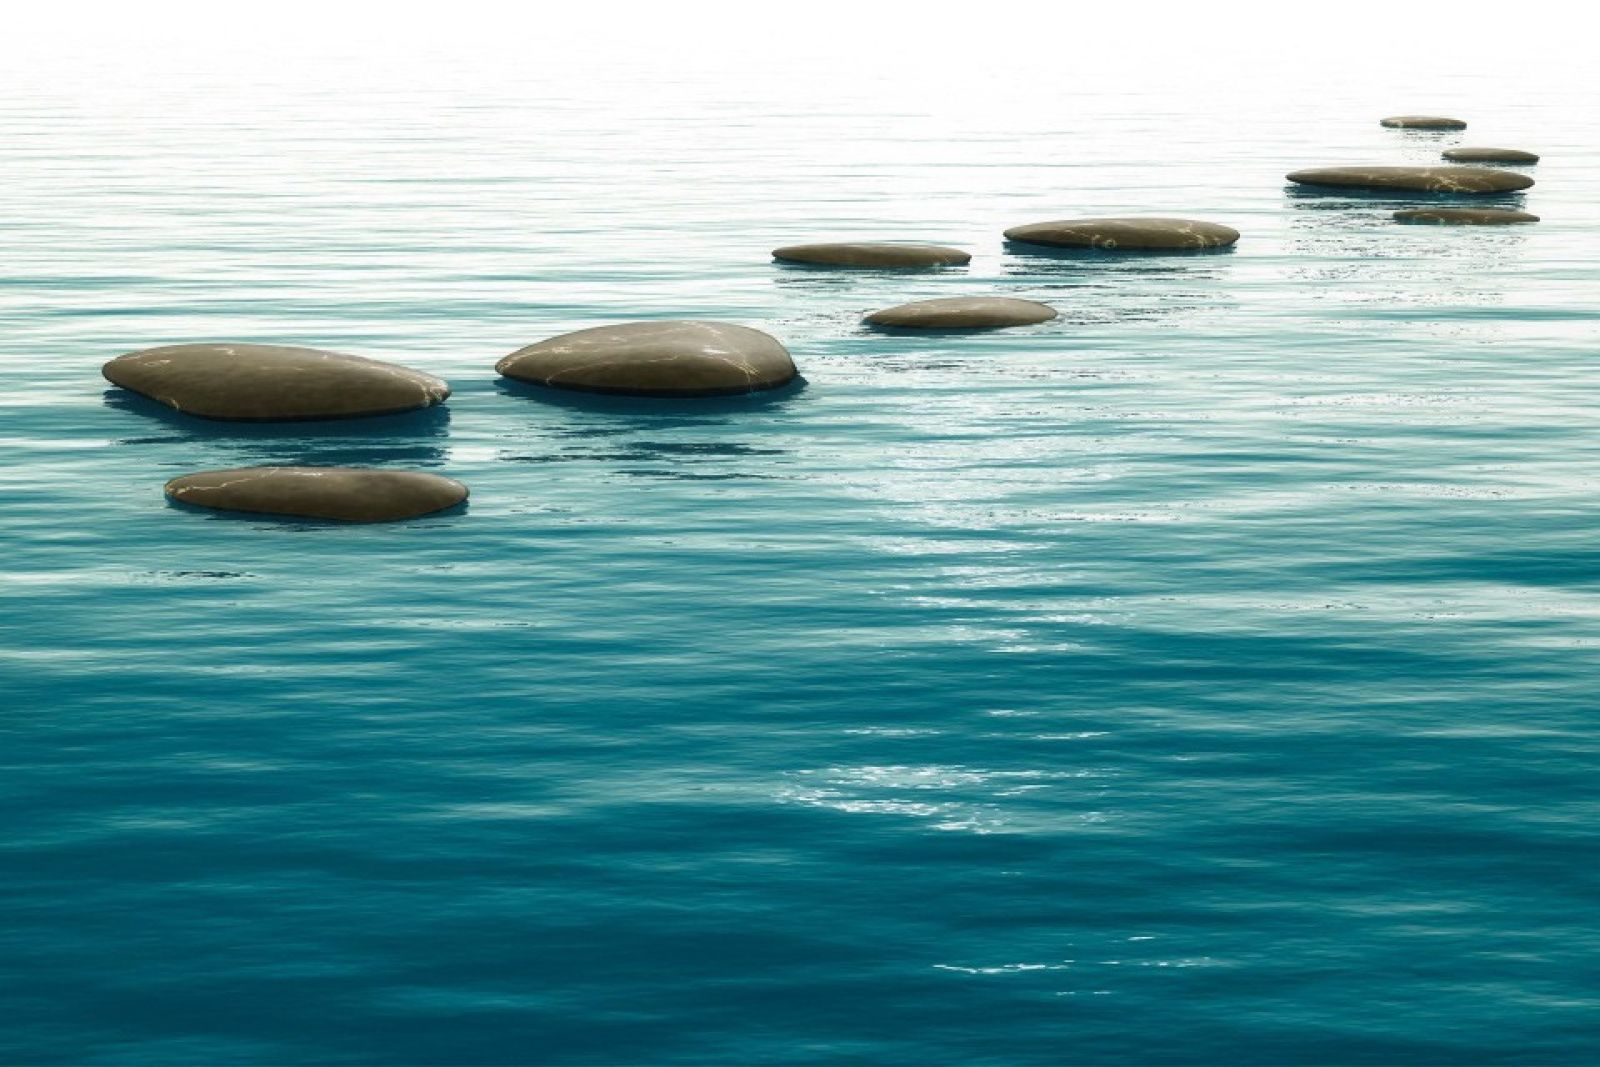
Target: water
(1206, 676)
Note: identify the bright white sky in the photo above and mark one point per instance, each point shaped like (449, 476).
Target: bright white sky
(1312, 38)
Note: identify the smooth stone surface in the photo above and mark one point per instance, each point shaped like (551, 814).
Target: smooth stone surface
(345, 494)
(1465, 216)
(1422, 122)
(1137, 235)
(674, 358)
(1490, 155)
(963, 313)
(873, 254)
(272, 382)
(1421, 179)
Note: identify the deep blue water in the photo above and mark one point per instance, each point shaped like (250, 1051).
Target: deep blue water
(1208, 676)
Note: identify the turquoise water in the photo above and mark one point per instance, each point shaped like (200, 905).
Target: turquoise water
(1207, 676)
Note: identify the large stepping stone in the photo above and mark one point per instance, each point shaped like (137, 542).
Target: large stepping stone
(667, 359)
(963, 313)
(1475, 180)
(272, 382)
(1127, 235)
(1422, 122)
(1490, 155)
(873, 255)
(1464, 216)
(345, 494)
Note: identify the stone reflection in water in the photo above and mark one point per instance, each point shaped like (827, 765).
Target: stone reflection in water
(1108, 287)
(1331, 197)
(798, 282)
(416, 439)
(635, 434)
(1346, 247)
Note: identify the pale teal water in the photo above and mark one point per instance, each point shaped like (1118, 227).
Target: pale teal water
(1205, 677)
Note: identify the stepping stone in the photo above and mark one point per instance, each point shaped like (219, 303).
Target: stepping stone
(1464, 216)
(272, 382)
(1127, 235)
(1489, 155)
(1420, 179)
(963, 313)
(1422, 122)
(345, 494)
(873, 255)
(667, 359)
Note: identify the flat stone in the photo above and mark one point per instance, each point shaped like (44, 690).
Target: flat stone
(1464, 216)
(1422, 122)
(672, 358)
(272, 382)
(873, 255)
(1490, 155)
(1133, 235)
(963, 313)
(1420, 179)
(346, 494)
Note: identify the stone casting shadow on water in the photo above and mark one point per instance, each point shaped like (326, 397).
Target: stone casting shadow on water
(300, 522)
(840, 271)
(819, 278)
(411, 437)
(1093, 268)
(651, 406)
(1328, 195)
(934, 332)
(423, 422)
(1113, 255)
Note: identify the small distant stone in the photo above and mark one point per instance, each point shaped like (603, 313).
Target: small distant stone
(1420, 179)
(1131, 235)
(1490, 155)
(666, 359)
(874, 255)
(963, 313)
(272, 382)
(1422, 122)
(344, 494)
(1464, 216)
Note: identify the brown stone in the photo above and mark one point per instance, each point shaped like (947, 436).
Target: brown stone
(1131, 235)
(272, 382)
(672, 358)
(1422, 122)
(963, 313)
(1489, 155)
(873, 255)
(346, 494)
(1464, 216)
(1420, 179)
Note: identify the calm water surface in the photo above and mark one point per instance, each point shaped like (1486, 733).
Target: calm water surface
(1207, 676)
